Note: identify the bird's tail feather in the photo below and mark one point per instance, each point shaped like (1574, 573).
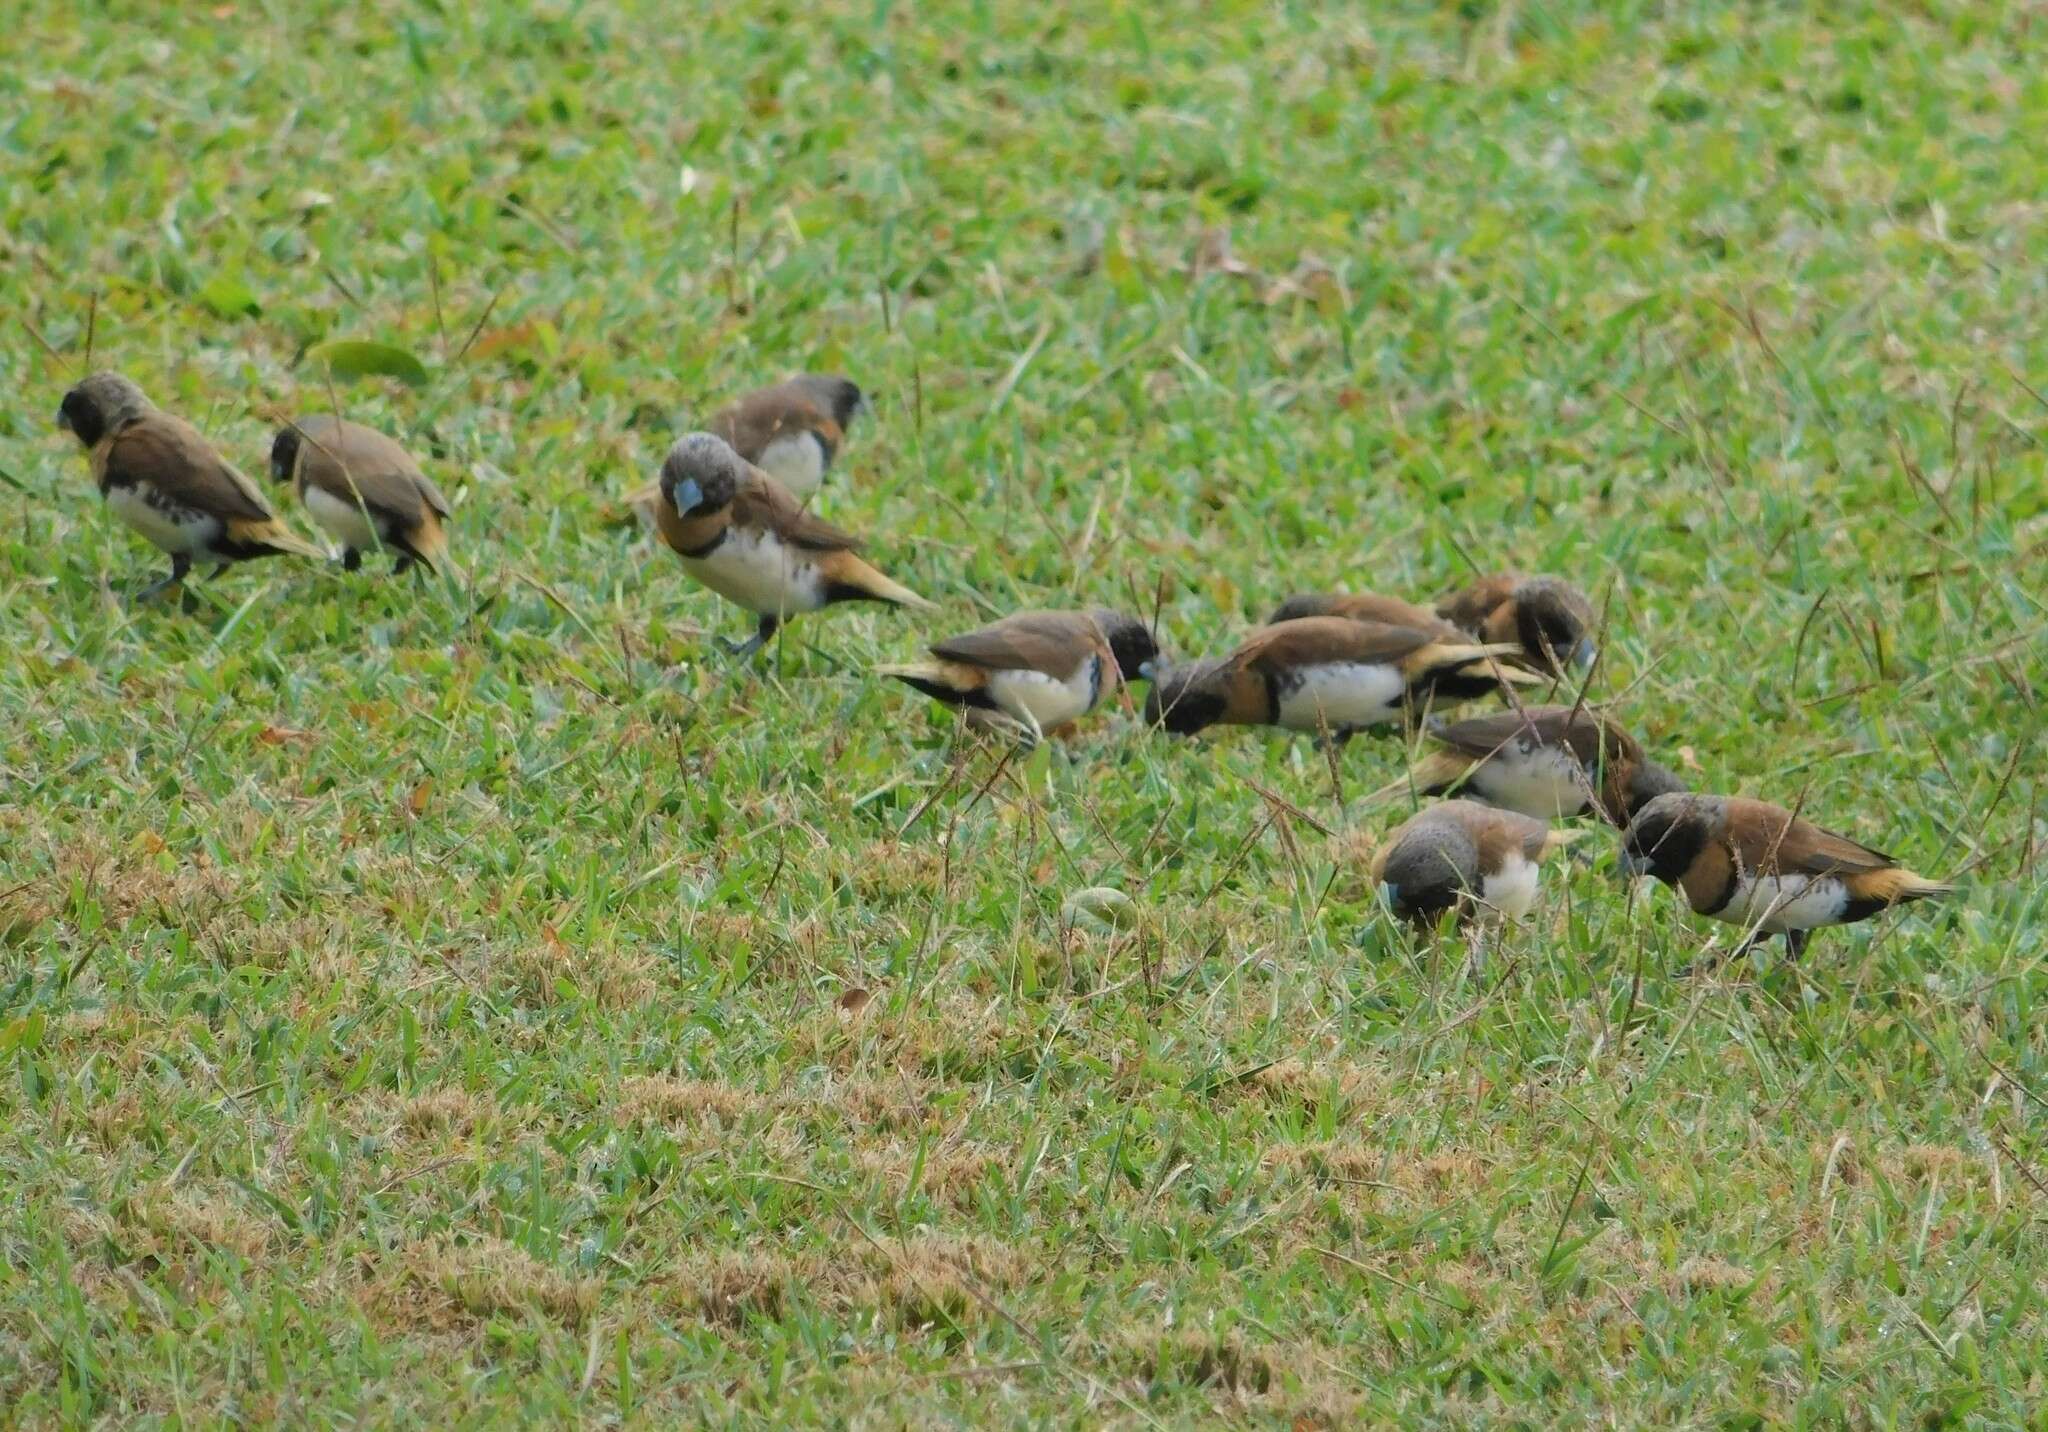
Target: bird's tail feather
(851, 571)
(1899, 886)
(1435, 772)
(427, 544)
(271, 533)
(939, 680)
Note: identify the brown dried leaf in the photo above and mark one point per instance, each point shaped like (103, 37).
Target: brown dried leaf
(1212, 255)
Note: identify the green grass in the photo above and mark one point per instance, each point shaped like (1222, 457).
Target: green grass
(419, 1003)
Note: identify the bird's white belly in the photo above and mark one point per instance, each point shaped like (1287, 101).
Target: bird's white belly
(760, 573)
(1777, 903)
(1045, 699)
(182, 531)
(1544, 783)
(797, 461)
(1343, 696)
(341, 519)
(1512, 891)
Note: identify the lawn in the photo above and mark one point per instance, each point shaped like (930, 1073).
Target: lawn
(429, 1003)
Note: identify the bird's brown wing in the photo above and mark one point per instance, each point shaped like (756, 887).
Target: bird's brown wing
(764, 503)
(1757, 829)
(1315, 641)
(1481, 736)
(1373, 607)
(1468, 608)
(1589, 736)
(1051, 642)
(431, 495)
(169, 455)
(348, 459)
(759, 418)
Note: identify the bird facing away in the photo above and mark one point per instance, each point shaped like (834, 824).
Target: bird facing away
(1448, 689)
(740, 533)
(792, 431)
(1545, 762)
(167, 482)
(1757, 865)
(1319, 674)
(364, 490)
(1034, 671)
(1465, 856)
(1549, 618)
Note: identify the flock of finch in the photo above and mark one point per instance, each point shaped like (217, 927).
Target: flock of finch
(729, 504)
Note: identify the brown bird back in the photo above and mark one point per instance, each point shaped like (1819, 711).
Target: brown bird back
(354, 462)
(1054, 643)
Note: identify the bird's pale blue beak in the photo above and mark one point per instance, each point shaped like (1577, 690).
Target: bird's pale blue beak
(1584, 652)
(1148, 669)
(1390, 893)
(1633, 865)
(686, 494)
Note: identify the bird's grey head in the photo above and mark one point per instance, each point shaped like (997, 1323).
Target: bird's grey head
(100, 404)
(1433, 867)
(839, 396)
(701, 473)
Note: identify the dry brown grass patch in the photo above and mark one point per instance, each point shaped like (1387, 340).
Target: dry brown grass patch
(1706, 1274)
(1196, 1358)
(1452, 1171)
(730, 1287)
(440, 1283)
(889, 869)
(612, 979)
(1927, 1161)
(952, 1175)
(665, 1099)
(130, 883)
(1335, 1161)
(449, 1107)
(209, 1219)
(115, 1122)
(938, 1277)
(926, 1279)
(897, 1103)
(1298, 1081)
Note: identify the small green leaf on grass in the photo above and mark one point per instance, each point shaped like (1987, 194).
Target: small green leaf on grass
(226, 296)
(354, 358)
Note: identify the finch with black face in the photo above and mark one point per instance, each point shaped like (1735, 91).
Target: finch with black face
(1461, 855)
(740, 533)
(1321, 674)
(1035, 671)
(167, 482)
(792, 431)
(1757, 865)
(1549, 618)
(1545, 762)
(365, 490)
